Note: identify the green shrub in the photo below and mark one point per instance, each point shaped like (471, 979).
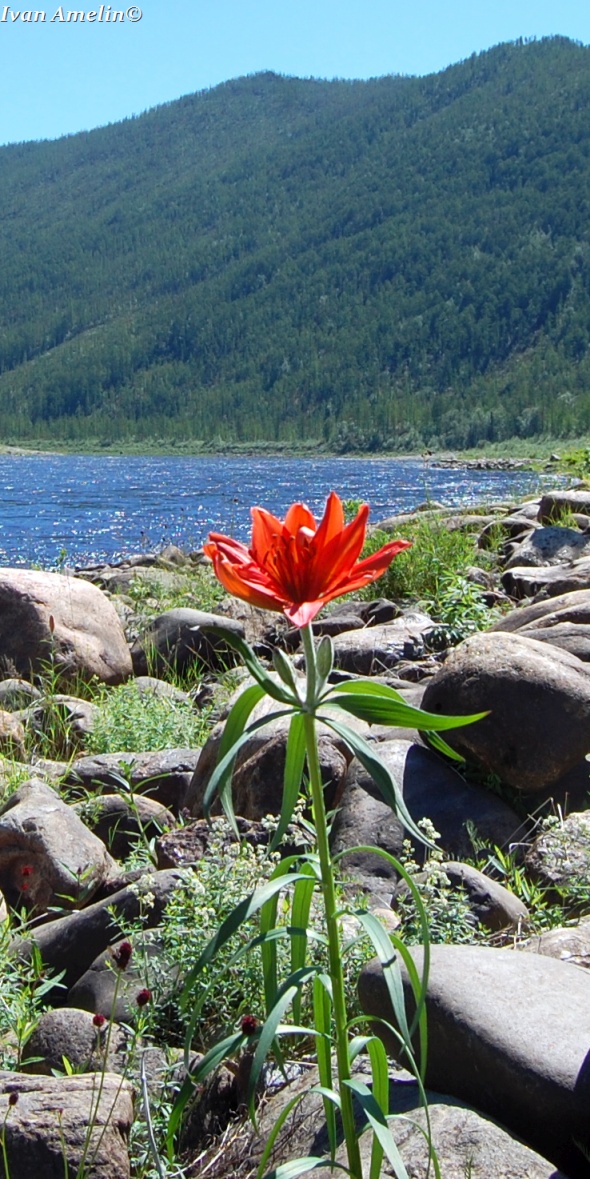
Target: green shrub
(138, 722)
(208, 894)
(419, 573)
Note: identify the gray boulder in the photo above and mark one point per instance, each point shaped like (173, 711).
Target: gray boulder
(550, 580)
(550, 546)
(16, 694)
(509, 1033)
(373, 650)
(121, 822)
(563, 620)
(47, 855)
(560, 856)
(163, 776)
(495, 907)
(12, 736)
(431, 789)
(467, 1143)
(538, 698)
(105, 990)
(556, 503)
(56, 1125)
(53, 618)
(258, 785)
(182, 637)
(188, 844)
(71, 943)
(66, 720)
(568, 943)
(513, 527)
(254, 748)
(70, 1032)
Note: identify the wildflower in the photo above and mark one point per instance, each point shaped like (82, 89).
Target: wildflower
(25, 872)
(295, 566)
(99, 1020)
(143, 997)
(13, 1097)
(122, 955)
(249, 1024)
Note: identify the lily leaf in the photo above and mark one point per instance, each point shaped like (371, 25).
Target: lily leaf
(284, 670)
(378, 1123)
(257, 671)
(324, 661)
(220, 780)
(381, 707)
(329, 1094)
(300, 907)
(209, 1062)
(268, 1031)
(322, 1006)
(302, 1166)
(379, 773)
(439, 744)
(246, 908)
(292, 777)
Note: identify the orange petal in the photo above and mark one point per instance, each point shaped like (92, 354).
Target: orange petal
(373, 566)
(301, 615)
(332, 522)
(340, 554)
(232, 550)
(253, 591)
(265, 529)
(299, 516)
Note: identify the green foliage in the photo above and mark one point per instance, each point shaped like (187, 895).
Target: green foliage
(370, 265)
(206, 897)
(450, 920)
(25, 984)
(459, 609)
(577, 461)
(424, 572)
(136, 722)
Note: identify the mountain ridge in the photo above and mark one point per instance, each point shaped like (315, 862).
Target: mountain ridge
(396, 262)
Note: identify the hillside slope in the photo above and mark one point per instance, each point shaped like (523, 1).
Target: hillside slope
(383, 263)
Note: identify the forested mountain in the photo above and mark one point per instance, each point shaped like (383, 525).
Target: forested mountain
(391, 263)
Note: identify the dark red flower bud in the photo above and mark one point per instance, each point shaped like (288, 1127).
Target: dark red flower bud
(122, 955)
(99, 1020)
(143, 997)
(13, 1097)
(249, 1024)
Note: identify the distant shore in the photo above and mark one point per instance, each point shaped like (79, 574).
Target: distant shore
(511, 455)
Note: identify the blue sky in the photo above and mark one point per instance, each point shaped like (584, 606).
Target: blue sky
(59, 77)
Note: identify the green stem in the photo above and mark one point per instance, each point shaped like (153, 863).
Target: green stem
(330, 909)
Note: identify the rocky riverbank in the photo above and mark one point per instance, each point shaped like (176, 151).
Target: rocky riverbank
(101, 851)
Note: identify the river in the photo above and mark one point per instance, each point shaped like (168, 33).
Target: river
(84, 508)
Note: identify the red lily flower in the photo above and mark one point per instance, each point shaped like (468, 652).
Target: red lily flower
(295, 566)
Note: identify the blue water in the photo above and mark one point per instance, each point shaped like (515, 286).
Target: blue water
(85, 508)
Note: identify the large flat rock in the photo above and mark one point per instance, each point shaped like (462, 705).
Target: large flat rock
(538, 700)
(510, 1034)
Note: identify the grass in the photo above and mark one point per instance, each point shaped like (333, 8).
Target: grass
(423, 571)
(131, 721)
